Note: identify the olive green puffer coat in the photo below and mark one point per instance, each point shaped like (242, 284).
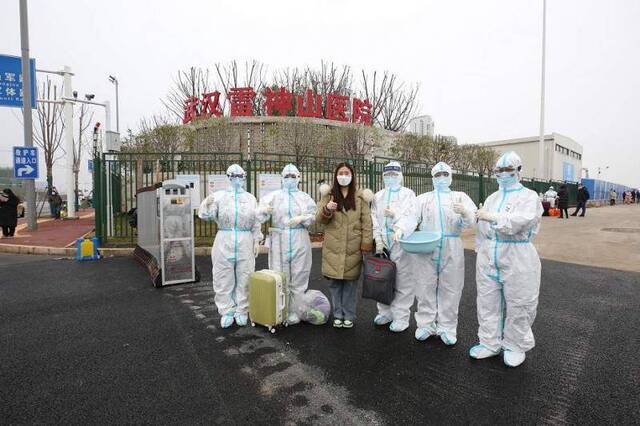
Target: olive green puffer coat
(346, 234)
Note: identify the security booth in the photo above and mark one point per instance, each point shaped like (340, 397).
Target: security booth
(165, 244)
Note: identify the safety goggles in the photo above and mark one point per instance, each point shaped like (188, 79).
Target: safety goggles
(235, 176)
(504, 170)
(441, 174)
(291, 176)
(391, 173)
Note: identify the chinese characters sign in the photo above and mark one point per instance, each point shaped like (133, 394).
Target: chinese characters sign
(11, 81)
(280, 102)
(25, 162)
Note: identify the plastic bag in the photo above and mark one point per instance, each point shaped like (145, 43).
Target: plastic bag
(314, 307)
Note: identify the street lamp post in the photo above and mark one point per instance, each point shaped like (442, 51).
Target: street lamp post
(541, 150)
(115, 82)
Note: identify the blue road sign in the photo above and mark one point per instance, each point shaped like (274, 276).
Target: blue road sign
(25, 162)
(11, 81)
(90, 165)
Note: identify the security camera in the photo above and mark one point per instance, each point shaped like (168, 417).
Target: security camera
(75, 94)
(89, 97)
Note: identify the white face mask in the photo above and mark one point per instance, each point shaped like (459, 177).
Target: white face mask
(344, 180)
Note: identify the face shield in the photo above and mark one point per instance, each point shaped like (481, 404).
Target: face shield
(392, 176)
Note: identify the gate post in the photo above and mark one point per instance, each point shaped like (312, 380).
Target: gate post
(97, 198)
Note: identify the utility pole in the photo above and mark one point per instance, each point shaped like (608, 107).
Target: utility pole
(541, 150)
(68, 140)
(29, 184)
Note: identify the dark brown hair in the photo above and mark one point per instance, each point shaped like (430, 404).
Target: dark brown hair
(349, 202)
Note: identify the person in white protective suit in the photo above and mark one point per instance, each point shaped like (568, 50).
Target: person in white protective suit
(235, 247)
(394, 215)
(550, 196)
(441, 273)
(508, 266)
(291, 211)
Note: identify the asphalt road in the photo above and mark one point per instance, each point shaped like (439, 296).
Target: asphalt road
(94, 342)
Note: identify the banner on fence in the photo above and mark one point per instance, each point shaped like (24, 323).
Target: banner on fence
(193, 181)
(268, 183)
(216, 183)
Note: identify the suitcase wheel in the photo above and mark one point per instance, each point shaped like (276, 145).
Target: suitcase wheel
(272, 330)
(253, 324)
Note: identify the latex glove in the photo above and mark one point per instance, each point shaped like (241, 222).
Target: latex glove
(389, 212)
(295, 221)
(209, 200)
(459, 208)
(487, 216)
(397, 236)
(379, 245)
(267, 210)
(256, 248)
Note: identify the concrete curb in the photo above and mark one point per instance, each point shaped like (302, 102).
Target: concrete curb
(105, 251)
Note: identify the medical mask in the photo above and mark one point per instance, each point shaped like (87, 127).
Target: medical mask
(289, 183)
(391, 182)
(441, 183)
(344, 180)
(236, 183)
(506, 179)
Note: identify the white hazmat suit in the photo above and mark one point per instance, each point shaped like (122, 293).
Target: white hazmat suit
(394, 215)
(234, 249)
(508, 266)
(441, 273)
(291, 211)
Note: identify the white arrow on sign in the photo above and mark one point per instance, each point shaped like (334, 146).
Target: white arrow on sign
(26, 169)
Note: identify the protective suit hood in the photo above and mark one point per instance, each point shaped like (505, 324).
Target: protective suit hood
(508, 180)
(392, 175)
(289, 183)
(441, 183)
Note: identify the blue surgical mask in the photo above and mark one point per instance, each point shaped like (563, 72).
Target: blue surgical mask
(290, 183)
(391, 182)
(506, 179)
(441, 183)
(236, 183)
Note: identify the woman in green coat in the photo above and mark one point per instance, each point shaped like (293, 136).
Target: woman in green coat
(344, 210)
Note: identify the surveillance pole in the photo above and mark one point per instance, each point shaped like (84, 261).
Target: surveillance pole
(29, 184)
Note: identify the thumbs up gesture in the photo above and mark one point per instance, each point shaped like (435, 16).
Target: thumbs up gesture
(332, 205)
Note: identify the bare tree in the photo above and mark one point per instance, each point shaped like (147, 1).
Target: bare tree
(399, 106)
(187, 84)
(357, 141)
(254, 75)
(49, 126)
(84, 122)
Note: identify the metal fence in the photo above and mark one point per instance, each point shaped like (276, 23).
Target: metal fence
(117, 177)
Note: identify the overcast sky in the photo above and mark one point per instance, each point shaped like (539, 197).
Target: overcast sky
(477, 62)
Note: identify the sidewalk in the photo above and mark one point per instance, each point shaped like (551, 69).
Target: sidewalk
(607, 237)
(51, 234)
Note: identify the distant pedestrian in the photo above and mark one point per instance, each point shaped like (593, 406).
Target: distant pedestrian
(637, 195)
(8, 212)
(55, 203)
(612, 197)
(627, 197)
(563, 202)
(583, 197)
(550, 197)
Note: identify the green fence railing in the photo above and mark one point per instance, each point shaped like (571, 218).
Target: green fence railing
(117, 177)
